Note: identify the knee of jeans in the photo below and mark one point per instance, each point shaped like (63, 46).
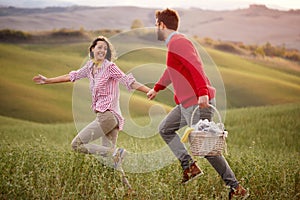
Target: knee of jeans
(162, 129)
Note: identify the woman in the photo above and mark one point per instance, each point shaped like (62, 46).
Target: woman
(104, 77)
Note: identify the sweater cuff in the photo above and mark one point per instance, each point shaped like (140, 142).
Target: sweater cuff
(158, 87)
(202, 92)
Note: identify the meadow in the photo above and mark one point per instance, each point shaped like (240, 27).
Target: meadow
(37, 127)
(263, 150)
(248, 82)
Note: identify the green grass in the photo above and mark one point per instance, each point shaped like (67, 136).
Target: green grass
(25, 100)
(248, 82)
(36, 161)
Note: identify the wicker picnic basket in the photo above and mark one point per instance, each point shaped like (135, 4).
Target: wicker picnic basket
(205, 142)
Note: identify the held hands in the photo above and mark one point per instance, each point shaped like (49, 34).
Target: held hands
(203, 101)
(39, 79)
(151, 94)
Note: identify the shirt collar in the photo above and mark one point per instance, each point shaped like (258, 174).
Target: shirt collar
(170, 36)
(91, 64)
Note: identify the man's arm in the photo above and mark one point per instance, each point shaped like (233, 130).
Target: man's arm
(163, 82)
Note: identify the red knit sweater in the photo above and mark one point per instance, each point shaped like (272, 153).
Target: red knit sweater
(185, 71)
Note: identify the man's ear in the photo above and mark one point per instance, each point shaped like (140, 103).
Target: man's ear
(163, 25)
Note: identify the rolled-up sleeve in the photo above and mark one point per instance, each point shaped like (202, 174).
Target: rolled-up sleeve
(79, 74)
(125, 79)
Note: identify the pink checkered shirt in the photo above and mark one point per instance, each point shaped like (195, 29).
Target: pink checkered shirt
(104, 86)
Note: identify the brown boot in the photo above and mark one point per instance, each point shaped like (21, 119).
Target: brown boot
(191, 173)
(238, 193)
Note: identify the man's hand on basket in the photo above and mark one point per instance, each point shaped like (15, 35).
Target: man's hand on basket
(203, 101)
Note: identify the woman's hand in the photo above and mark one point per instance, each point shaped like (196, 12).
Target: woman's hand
(151, 94)
(39, 79)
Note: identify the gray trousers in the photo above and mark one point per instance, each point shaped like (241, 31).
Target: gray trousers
(180, 117)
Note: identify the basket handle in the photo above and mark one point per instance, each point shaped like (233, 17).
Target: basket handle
(215, 109)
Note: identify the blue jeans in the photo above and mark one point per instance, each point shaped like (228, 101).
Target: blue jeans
(178, 118)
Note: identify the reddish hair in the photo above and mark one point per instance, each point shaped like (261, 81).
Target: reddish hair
(169, 17)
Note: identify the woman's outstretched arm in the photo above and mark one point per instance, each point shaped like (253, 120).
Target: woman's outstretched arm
(40, 79)
(140, 87)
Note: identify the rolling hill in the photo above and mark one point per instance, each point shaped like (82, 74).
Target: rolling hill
(254, 25)
(248, 82)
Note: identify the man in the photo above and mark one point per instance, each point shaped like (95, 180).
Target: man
(192, 88)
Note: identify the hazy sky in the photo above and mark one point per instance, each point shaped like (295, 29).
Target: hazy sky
(205, 4)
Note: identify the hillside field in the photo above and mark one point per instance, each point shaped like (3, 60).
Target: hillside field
(247, 82)
(263, 146)
(38, 123)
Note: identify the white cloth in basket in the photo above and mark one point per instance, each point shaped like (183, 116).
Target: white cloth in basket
(208, 126)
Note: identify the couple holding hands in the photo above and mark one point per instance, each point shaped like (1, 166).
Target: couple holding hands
(192, 88)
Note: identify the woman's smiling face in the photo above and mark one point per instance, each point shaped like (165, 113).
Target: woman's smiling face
(100, 51)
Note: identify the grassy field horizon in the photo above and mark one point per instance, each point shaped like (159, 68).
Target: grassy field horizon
(247, 81)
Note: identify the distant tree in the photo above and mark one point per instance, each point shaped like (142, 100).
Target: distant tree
(293, 55)
(268, 49)
(259, 51)
(280, 51)
(208, 41)
(7, 35)
(137, 24)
